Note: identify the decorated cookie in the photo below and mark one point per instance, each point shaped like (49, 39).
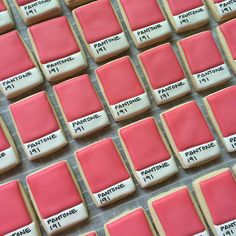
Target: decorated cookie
(145, 21)
(61, 205)
(220, 107)
(186, 15)
(222, 9)
(80, 106)
(34, 11)
(164, 74)
(8, 153)
(216, 193)
(133, 222)
(97, 163)
(93, 233)
(189, 135)
(122, 88)
(76, 3)
(19, 72)
(6, 21)
(104, 37)
(176, 213)
(203, 61)
(37, 126)
(147, 151)
(59, 55)
(227, 36)
(16, 215)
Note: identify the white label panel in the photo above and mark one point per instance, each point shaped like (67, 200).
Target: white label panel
(226, 7)
(204, 233)
(8, 158)
(230, 143)
(29, 230)
(5, 19)
(226, 229)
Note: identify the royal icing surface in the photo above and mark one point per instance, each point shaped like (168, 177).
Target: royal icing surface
(97, 162)
(167, 79)
(122, 88)
(148, 152)
(204, 60)
(81, 106)
(61, 205)
(178, 215)
(191, 134)
(133, 223)
(219, 192)
(37, 125)
(2, 6)
(91, 234)
(6, 22)
(225, 7)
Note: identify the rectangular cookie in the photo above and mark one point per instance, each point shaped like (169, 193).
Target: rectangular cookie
(6, 20)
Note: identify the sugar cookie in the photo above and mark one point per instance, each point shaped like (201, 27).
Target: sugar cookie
(6, 21)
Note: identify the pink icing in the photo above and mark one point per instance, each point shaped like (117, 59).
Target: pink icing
(78, 98)
(34, 117)
(98, 162)
(178, 7)
(54, 189)
(91, 234)
(144, 144)
(220, 193)
(24, 2)
(134, 223)
(201, 52)
(14, 214)
(2, 6)
(218, 1)
(4, 144)
(229, 31)
(97, 26)
(188, 126)
(14, 58)
(177, 214)
(162, 66)
(141, 13)
(119, 80)
(222, 105)
(61, 42)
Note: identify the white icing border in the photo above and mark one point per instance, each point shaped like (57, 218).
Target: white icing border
(92, 123)
(5, 19)
(157, 172)
(109, 46)
(127, 188)
(72, 216)
(172, 91)
(229, 5)
(221, 230)
(30, 230)
(204, 233)
(43, 148)
(8, 159)
(230, 143)
(123, 110)
(54, 69)
(21, 82)
(190, 158)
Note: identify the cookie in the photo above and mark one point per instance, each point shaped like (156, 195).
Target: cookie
(6, 21)
(75, 3)
(37, 126)
(19, 71)
(122, 89)
(57, 197)
(147, 151)
(80, 105)
(104, 37)
(216, 194)
(96, 163)
(145, 21)
(164, 74)
(189, 134)
(59, 57)
(93, 233)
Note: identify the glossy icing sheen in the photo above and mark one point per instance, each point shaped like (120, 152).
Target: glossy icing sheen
(177, 214)
(61, 42)
(134, 223)
(222, 105)
(119, 80)
(229, 31)
(142, 13)
(4, 144)
(2, 6)
(105, 25)
(220, 193)
(144, 144)
(201, 52)
(24, 2)
(218, 1)
(78, 97)
(13, 214)
(162, 66)
(34, 117)
(54, 189)
(13, 52)
(98, 162)
(188, 126)
(178, 7)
